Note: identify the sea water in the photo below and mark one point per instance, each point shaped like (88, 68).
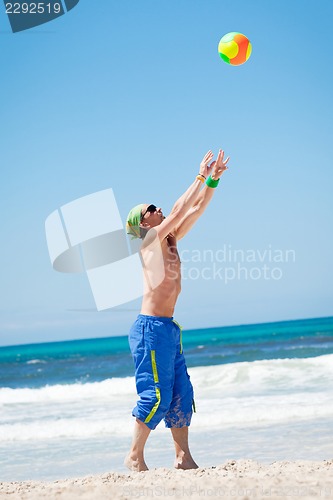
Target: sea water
(261, 391)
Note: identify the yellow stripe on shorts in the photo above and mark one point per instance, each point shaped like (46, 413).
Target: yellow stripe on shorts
(181, 335)
(157, 390)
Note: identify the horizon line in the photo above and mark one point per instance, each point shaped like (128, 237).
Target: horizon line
(184, 330)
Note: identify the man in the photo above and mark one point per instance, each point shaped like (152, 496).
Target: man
(162, 382)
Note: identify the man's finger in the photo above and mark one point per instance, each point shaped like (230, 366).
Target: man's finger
(207, 157)
(219, 157)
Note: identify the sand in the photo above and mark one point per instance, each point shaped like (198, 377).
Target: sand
(241, 479)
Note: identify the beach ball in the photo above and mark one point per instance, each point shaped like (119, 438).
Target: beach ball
(235, 48)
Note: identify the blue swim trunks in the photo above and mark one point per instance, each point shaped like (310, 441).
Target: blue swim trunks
(162, 382)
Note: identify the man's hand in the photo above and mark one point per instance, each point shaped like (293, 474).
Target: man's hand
(219, 166)
(204, 165)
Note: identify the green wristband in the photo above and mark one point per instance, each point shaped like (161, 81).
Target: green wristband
(211, 183)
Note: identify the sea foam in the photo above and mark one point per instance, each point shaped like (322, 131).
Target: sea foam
(231, 395)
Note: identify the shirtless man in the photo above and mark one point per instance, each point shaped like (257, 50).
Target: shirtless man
(162, 382)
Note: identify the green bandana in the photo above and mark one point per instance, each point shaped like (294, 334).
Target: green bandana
(133, 221)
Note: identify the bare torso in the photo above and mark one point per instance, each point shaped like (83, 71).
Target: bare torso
(162, 277)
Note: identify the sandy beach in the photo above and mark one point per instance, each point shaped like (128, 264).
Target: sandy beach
(242, 479)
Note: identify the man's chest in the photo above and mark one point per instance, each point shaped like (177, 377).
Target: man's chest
(170, 251)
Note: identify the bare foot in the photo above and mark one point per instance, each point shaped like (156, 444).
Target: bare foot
(185, 463)
(135, 464)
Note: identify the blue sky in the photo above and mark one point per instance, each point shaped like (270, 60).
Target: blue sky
(131, 95)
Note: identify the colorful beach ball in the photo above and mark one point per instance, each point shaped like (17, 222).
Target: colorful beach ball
(235, 48)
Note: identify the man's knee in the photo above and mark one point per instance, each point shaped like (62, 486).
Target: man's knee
(181, 410)
(159, 407)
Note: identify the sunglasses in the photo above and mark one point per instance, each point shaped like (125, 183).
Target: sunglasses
(151, 209)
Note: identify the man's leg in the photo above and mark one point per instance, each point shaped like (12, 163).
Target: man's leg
(153, 355)
(135, 459)
(184, 458)
(179, 415)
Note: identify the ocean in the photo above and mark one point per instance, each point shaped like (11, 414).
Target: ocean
(262, 391)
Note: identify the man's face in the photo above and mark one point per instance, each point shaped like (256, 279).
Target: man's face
(151, 216)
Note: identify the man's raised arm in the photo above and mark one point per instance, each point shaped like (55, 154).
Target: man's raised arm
(202, 172)
(185, 202)
(204, 197)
